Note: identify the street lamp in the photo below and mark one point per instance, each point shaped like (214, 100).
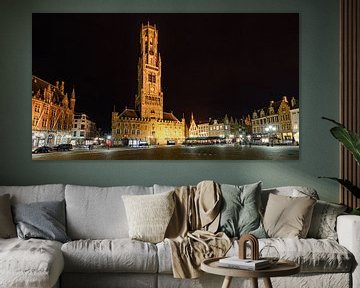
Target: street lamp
(270, 129)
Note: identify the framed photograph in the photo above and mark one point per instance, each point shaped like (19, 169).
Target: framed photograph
(165, 86)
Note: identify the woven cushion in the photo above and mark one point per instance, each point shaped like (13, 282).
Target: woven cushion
(149, 215)
(323, 222)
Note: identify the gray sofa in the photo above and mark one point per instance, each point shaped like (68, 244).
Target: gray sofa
(101, 254)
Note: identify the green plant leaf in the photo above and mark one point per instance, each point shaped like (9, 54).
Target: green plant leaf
(348, 138)
(348, 185)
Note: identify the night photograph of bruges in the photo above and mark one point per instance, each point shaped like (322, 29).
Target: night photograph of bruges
(165, 86)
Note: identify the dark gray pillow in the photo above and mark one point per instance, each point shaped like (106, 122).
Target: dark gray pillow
(240, 213)
(44, 220)
(7, 227)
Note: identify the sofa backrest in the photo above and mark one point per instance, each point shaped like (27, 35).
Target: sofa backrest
(34, 193)
(293, 191)
(98, 212)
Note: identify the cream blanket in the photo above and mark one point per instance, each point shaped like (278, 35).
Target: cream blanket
(191, 231)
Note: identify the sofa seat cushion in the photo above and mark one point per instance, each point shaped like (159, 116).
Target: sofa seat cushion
(115, 255)
(313, 255)
(30, 263)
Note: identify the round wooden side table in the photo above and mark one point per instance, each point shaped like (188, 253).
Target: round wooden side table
(281, 268)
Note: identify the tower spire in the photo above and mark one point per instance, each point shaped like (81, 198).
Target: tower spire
(149, 99)
(72, 100)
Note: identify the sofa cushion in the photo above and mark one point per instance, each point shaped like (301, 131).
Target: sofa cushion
(98, 212)
(240, 210)
(287, 216)
(7, 226)
(34, 193)
(30, 263)
(313, 255)
(43, 220)
(116, 255)
(149, 215)
(323, 222)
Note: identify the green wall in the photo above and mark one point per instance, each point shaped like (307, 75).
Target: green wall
(318, 97)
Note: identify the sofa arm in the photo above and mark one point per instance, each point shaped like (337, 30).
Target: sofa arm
(348, 230)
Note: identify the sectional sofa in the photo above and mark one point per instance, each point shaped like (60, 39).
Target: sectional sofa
(100, 253)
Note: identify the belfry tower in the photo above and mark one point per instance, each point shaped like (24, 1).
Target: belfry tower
(149, 100)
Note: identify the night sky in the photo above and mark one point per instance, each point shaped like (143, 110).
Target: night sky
(212, 64)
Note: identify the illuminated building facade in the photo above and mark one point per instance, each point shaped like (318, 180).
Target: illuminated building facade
(216, 130)
(148, 122)
(276, 123)
(83, 130)
(52, 113)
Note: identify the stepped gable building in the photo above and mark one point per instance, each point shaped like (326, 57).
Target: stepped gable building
(52, 113)
(148, 122)
(275, 122)
(216, 130)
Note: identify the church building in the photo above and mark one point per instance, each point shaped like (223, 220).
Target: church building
(148, 123)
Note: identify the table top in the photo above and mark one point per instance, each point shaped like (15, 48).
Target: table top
(281, 268)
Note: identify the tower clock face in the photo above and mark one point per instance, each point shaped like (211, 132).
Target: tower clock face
(152, 89)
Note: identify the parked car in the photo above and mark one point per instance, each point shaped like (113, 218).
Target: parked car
(42, 149)
(63, 147)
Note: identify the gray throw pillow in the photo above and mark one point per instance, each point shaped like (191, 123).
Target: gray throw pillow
(44, 220)
(7, 226)
(323, 222)
(240, 213)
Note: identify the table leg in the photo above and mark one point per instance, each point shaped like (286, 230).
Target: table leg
(254, 282)
(267, 283)
(227, 282)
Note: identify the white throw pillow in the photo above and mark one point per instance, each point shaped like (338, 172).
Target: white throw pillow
(149, 215)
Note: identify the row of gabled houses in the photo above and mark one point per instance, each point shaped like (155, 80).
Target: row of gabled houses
(276, 123)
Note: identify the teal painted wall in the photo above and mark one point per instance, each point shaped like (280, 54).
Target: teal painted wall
(318, 97)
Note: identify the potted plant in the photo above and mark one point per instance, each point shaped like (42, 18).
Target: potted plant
(351, 141)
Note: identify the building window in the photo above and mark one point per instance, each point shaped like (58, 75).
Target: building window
(152, 78)
(82, 133)
(82, 126)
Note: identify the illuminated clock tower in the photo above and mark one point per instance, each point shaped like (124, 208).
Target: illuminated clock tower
(149, 100)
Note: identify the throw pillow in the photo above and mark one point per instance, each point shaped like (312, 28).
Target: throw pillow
(7, 227)
(240, 213)
(44, 220)
(288, 217)
(149, 215)
(323, 222)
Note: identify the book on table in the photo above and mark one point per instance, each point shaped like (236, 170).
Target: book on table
(249, 264)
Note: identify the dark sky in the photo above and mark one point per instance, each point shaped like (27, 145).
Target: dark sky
(212, 64)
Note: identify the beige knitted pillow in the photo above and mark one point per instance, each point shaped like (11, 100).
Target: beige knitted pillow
(149, 215)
